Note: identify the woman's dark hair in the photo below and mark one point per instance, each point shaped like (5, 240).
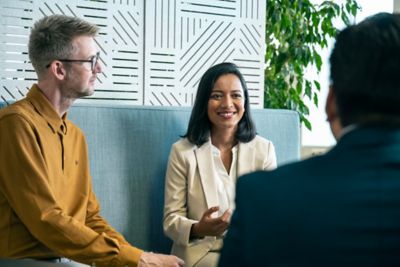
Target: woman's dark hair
(198, 131)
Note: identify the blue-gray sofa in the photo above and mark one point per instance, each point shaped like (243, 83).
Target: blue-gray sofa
(129, 148)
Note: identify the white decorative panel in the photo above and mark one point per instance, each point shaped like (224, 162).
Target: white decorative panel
(153, 52)
(120, 42)
(16, 72)
(186, 37)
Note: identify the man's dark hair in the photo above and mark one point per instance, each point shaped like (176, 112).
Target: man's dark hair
(198, 131)
(365, 71)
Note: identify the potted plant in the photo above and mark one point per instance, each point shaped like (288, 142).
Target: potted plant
(295, 32)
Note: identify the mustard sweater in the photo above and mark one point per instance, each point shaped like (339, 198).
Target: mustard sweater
(47, 204)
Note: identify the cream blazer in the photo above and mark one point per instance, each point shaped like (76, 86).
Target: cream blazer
(190, 189)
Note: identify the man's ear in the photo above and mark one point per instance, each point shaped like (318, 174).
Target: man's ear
(332, 113)
(330, 107)
(58, 70)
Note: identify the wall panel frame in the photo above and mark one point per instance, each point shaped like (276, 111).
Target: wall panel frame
(153, 52)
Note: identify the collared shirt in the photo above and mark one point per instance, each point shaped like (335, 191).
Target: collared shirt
(47, 205)
(226, 182)
(347, 129)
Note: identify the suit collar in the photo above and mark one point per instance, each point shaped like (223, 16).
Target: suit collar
(244, 163)
(207, 173)
(371, 136)
(374, 143)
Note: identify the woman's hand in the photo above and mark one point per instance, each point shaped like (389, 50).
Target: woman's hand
(208, 226)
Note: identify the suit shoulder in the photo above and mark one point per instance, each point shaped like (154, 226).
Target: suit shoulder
(183, 146)
(261, 140)
(298, 171)
(270, 186)
(255, 176)
(287, 171)
(261, 144)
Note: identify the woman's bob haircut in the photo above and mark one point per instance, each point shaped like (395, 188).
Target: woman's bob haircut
(198, 131)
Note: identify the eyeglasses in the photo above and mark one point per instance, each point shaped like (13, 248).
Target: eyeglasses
(93, 61)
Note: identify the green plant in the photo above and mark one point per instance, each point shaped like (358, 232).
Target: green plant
(296, 30)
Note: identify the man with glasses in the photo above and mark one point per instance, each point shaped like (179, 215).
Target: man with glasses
(92, 61)
(48, 209)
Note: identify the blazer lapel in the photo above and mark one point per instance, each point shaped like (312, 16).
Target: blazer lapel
(245, 158)
(206, 167)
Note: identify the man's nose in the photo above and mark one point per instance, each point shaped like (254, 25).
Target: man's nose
(98, 68)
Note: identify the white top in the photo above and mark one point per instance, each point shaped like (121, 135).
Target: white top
(226, 183)
(190, 189)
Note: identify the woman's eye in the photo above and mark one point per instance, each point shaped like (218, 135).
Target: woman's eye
(237, 96)
(216, 96)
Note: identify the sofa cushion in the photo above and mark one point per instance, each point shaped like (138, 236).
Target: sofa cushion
(128, 152)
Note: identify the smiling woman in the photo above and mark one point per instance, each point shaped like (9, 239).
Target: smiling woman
(219, 146)
(226, 105)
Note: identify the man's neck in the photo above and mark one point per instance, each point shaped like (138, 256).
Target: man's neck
(347, 129)
(55, 97)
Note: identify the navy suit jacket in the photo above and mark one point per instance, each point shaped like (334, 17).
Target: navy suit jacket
(339, 209)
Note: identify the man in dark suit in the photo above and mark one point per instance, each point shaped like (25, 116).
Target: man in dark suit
(342, 208)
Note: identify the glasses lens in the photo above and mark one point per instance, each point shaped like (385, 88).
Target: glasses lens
(94, 60)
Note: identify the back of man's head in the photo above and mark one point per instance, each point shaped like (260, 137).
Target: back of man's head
(365, 71)
(51, 38)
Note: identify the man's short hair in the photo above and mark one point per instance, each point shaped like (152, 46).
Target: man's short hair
(365, 70)
(51, 38)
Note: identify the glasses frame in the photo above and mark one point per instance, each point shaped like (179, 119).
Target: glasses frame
(93, 61)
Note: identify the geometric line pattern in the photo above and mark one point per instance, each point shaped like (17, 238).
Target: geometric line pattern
(153, 52)
(206, 33)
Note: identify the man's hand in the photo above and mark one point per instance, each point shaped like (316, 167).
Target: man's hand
(149, 259)
(209, 226)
